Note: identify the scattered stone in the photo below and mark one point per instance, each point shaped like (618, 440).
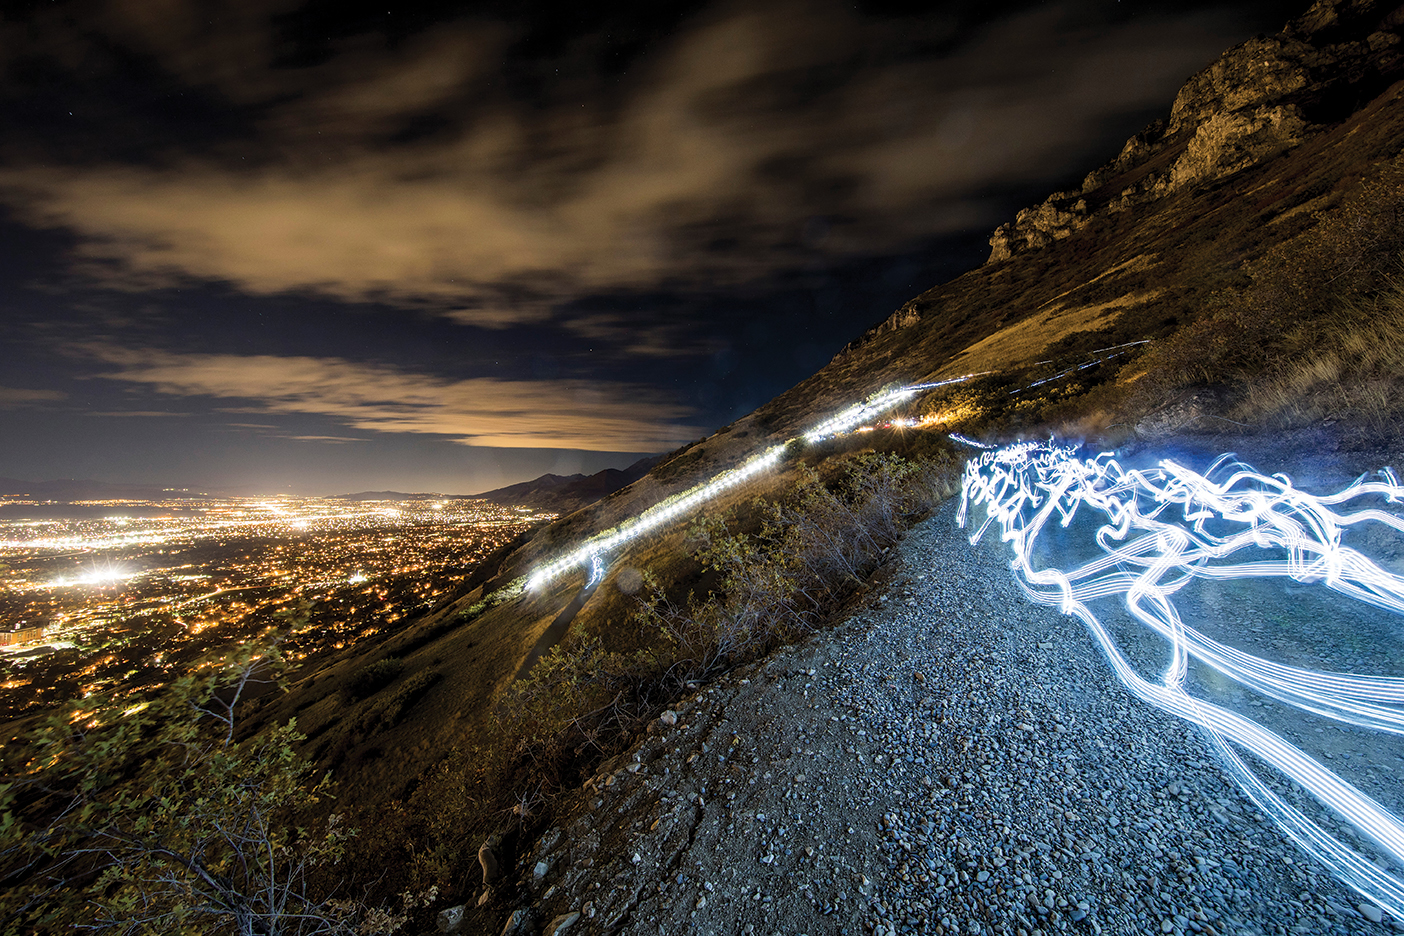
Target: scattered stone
(450, 919)
(518, 923)
(669, 718)
(561, 923)
(1371, 912)
(1016, 785)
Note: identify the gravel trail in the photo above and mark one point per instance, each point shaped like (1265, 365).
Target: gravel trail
(951, 759)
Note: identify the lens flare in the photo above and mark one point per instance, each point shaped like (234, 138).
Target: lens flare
(96, 575)
(1164, 528)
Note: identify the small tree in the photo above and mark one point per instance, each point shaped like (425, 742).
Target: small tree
(154, 818)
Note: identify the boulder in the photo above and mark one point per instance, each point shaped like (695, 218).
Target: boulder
(562, 923)
(518, 924)
(450, 920)
(488, 858)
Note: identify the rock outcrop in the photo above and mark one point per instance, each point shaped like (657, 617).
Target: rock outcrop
(1259, 99)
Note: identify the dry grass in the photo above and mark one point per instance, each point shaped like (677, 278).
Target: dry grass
(1349, 363)
(1025, 342)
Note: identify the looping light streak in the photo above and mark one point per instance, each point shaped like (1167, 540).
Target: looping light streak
(1163, 528)
(592, 550)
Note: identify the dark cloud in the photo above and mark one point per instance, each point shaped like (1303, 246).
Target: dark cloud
(586, 415)
(700, 168)
(588, 227)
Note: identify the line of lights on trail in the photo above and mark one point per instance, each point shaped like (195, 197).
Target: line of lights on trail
(848, 420)
(666, 511)
(1118, 349)
(1163, 528)
(860, 413)
(589, 554)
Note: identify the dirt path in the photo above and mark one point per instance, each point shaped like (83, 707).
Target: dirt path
(952, 759)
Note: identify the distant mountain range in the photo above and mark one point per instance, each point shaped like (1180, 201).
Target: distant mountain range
(67, 489)
(556, 493)
(570, 493)
(551, 492)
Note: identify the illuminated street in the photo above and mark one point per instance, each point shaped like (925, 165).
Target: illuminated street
(136, 589)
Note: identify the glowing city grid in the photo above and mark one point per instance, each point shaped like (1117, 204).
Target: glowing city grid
(132, 592)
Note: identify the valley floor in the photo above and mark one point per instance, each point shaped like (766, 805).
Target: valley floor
(952, 759)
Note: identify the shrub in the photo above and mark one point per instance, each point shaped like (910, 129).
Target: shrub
(577, 698)
(156, 820)
(775, 583)
(371, 678)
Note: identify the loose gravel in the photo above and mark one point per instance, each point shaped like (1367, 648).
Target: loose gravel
(953, 759)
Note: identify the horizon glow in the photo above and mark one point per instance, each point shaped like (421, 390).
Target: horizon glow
(1163, 529)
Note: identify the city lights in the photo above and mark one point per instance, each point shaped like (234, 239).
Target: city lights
(1157, 532)
(137, 599)
(107, 574)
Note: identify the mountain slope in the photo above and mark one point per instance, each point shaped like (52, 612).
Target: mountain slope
(569, 493)
(1212, 234)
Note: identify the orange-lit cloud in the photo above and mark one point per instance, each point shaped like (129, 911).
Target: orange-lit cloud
(592, 416)
(696, 170)
(15, 397)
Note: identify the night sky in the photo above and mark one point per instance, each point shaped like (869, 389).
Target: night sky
(316, 247)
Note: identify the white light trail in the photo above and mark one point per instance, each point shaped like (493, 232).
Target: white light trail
(1162, 529)
(659, 514)
(860, 413)
(957, 437)
(590, 552)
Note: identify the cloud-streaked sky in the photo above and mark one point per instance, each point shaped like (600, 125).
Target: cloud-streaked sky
(308, 245)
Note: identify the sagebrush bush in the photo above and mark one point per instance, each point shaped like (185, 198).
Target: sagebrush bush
(373, 677)
(810, 547)
(156, 819)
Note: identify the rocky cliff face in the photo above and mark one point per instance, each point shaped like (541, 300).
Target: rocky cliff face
(1257, 101)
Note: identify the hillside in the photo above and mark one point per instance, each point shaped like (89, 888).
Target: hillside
(1185, 285)
(569, 493)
